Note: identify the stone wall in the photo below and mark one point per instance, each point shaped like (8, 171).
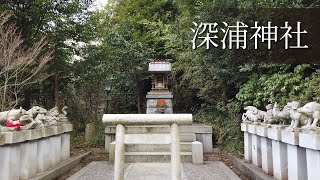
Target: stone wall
(25, 153)
(283, 153)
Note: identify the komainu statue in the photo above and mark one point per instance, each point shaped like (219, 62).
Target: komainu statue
(254, 114)
(311, 110)
(37, 116)
(16, 119)
(297, 119)
(281, 117)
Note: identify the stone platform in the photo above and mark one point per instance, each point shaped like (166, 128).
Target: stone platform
(203, 133)
(102, 170)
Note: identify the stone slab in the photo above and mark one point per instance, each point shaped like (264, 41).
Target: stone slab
(16, 137)
(290, 137)
(310, 141)
(266, 155)
(247, 146)
(28, 159)
(249, 169)
(159, 95)
(152, 103)
(33, 134)
(147, 139)
(244, 127)
(156, 171)
(256, 150)
(197, 152)
(194, 128)
(2, 139)
(313, 164)
(274, 133)
(252, 128)
(297, 163)
(262, 131)
(68, 127)
(61, 169)
(280, 160)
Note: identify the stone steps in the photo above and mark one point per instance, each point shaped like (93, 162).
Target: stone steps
(156, 138)
(184, 147)
(158, 129)
(155, 157)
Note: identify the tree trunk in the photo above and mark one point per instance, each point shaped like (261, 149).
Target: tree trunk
(56, 88)
(139, 102)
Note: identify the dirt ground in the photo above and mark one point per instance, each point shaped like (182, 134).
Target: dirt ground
(98, 154)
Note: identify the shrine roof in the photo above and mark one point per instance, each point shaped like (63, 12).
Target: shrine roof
(159, 67)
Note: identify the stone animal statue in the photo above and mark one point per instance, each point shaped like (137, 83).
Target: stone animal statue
(17, 114)
(281, 117)
(63, 117)
(254, 114)
(33, 113)
(297, 119)
(11, 115)
(311, 110)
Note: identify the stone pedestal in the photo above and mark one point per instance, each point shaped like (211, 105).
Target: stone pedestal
(28, 159)
(313, 164)
(247, 147)
(4, 163)
(256, 150)
(53, 147)
(43, 158)
(28, 152)
(89, 132)
(9, 162)
(58, 148)
(279, 154)
(152, 98)
(312, 144)
(65, 146)
(266, 150)
(197, 152)
(247, 142)
(297, 163)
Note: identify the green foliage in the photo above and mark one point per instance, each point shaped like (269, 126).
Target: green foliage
(225, 122)
(282, 86)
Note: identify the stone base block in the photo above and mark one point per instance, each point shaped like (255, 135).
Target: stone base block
(28, 159)
(313, 164)
(65, 146)
(43, 157)
(274, 133)
(252, 128)
(266, 155)
(262, 131)
(310, 141)
(290, 137)
(244, 127)
(197, 152)
(280, 160)
(297, 163)
(247, 147)
(256, 150)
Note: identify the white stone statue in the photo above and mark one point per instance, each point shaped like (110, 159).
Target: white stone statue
(311, 110)
(297, 119)
(281, 117)
(33, 113)
(14, 117)
(63, 117)
(52, 116)
(254, 114)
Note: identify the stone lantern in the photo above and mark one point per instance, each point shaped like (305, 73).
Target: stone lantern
(159, 99)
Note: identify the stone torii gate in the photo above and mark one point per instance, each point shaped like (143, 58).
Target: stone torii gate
(122, 120)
